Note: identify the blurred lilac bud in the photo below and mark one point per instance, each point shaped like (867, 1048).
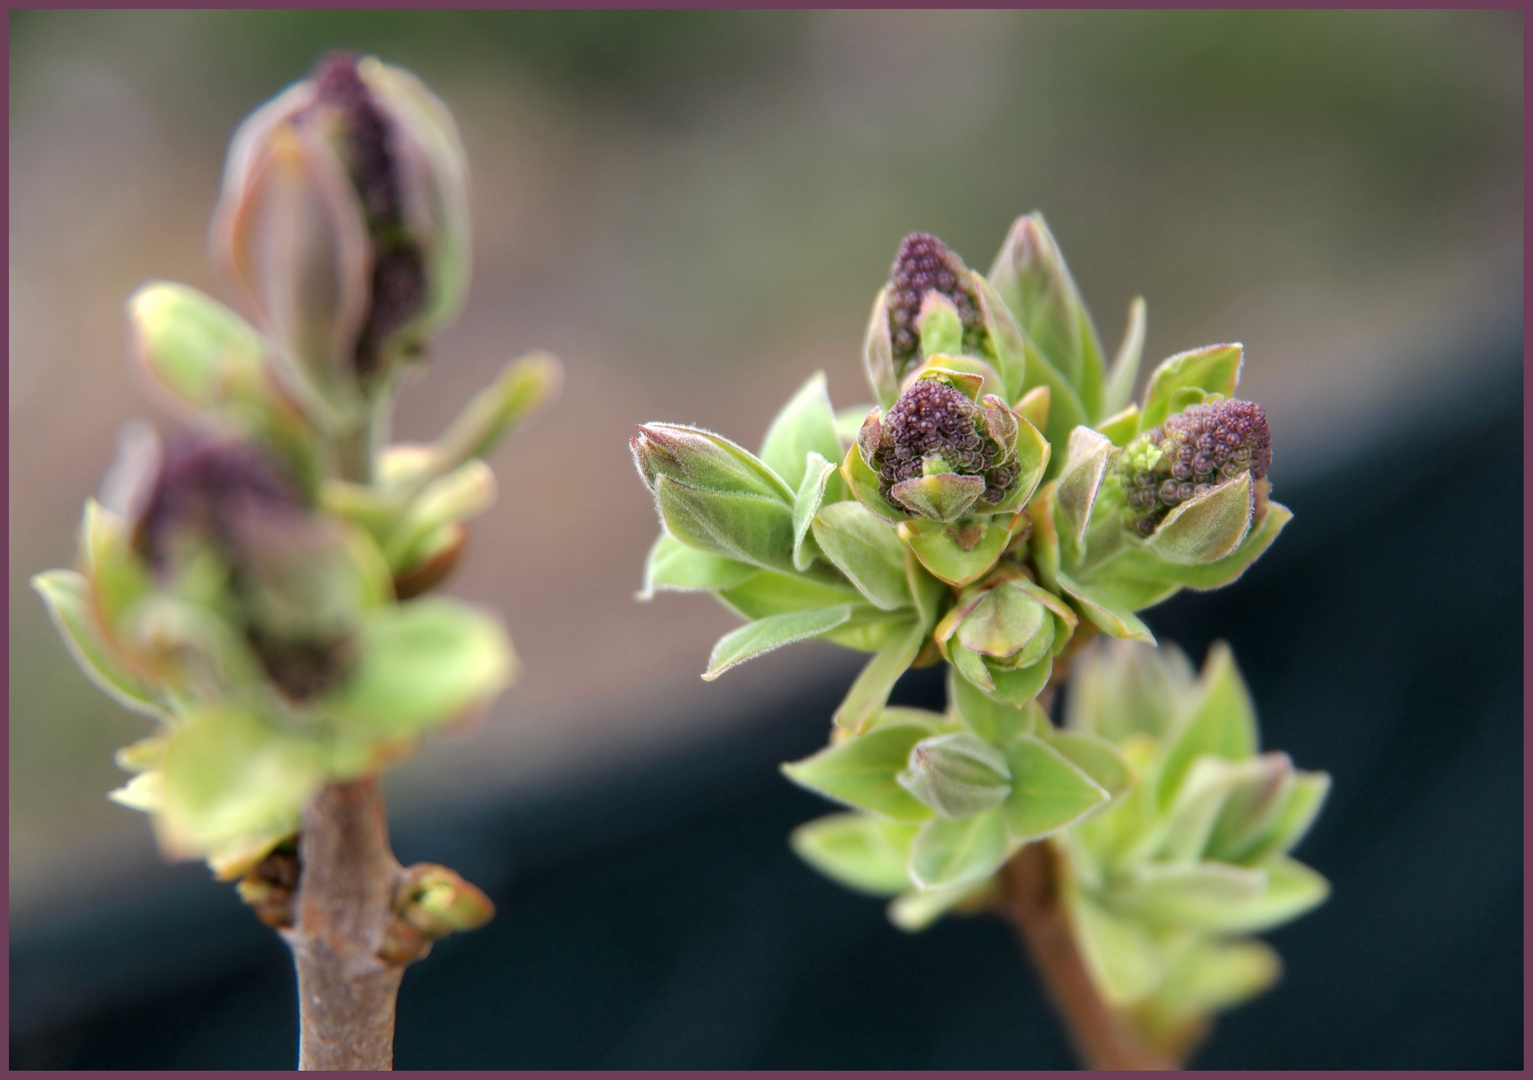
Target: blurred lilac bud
(343, 218)
(284, 575)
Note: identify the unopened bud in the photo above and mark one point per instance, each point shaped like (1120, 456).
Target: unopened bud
(343, 217)
(957, 775)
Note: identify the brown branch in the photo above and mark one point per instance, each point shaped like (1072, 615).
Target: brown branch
(346, 994)
(1030, 897)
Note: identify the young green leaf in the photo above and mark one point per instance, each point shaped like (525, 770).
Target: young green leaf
(229, 773)
(1048, 791)
(861, 852)
(422, 664)
(866, 550)
(673, 565)
(772, 632)
(950, 852)
(1221, 721)
(862, 771)
(871, 689)
(1214, 369)
(67, 596)
(807, 424)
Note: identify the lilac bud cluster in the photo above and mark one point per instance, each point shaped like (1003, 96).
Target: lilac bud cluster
(924, 264)
(1190, 453)
(933, 419)
(227, 494)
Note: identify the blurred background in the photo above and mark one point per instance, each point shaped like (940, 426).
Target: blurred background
(694, 211)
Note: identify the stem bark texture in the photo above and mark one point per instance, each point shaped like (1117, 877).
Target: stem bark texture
(346, 994)
(1030, 898)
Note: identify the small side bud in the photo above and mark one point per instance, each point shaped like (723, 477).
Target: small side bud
(957, 775)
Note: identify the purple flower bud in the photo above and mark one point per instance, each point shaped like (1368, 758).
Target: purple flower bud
(1192, 451)
(229, 496)
(344, 220)
(208, 488)
(399, 270)
(931, 421)
(924, 264)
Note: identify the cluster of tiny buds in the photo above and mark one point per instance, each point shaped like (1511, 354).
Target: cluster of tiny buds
(1190, 453)
(924, 264)
(932, 418)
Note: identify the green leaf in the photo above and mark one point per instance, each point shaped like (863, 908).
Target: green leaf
(200, 352)
(878, 352)
(861, 852)
(673, 565)
(463, 493)
(928, 593)
(1121, 426)
(1221, 721)
(938, 324)
(1120, 688)
(772, 632)
(1206, 527)
(1030, 274)
(940, 497)
(1214, 369)
(1188, 821)
(1211, 976)
(766, 592)
(1136, 561)
(1005, 335)
(1033, 456)
(1125, 365)
(866, 550)
(1020, 686)
(1048, 791)
(746, 528)
(705, 461)
(1110, 617)
(1305, 798)
(946, 559)
(67, 596)
(1123, 958)
(871, 689)
(422, 664)
(818, 473)
(1222, 899)
(862, 481)
(914, 911)
(1081, 478)
(228, 773)
(861, 771)
(806, 425)
(1094, 756)
(991, 720)
(116, 576)
(950, 852)
(1065, 410)
(521, 387)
